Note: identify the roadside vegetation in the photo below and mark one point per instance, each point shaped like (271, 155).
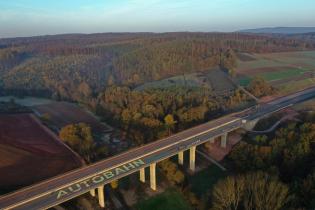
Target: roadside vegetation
(80, 138)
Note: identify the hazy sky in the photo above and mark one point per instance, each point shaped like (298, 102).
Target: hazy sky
(40, 17)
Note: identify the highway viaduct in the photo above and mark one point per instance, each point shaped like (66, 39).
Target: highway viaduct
(94, 177)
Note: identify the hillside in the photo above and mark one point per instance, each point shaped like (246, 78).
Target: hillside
(77, 66)
(280, 30)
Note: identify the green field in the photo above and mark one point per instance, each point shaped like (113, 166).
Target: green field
(203, 181)
(169, 200)
(293, 86)
(244, 81)
(277, 75)
(189, 80)
(287, 68)
(274, 75)
(214, 79)
(26, 101)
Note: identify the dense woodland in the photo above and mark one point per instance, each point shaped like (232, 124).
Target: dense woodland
(265, 172)
(287, 159)
(102, 71)
(72, 66)
(155, 113)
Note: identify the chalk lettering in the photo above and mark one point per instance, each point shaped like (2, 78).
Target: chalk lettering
(129, 166)
(119, 171)
(75, 190)
(97, 179)
(85, 183)
(76, 187)
(138, 162)
(61, 193)
(108, 174)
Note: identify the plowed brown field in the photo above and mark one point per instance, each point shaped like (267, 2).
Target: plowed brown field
(29, 152)
(63, 113)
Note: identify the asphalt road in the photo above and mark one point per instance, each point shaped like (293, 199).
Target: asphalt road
(72, 184)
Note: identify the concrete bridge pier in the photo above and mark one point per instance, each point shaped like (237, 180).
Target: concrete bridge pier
(153, 176)
(224, 140)
(92, 192)
(249, 125)
(212, 140)
(142, 175)
(101, 198)
(181, 158)
(192, 158)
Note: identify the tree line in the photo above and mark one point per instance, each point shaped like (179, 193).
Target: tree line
(56, 66)
(155, 113)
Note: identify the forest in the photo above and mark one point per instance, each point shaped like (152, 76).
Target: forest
(74, 67)
(102, 72)
(282, 161)
(149, 115)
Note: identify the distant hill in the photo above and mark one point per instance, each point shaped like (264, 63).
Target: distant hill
(280, 30)
(78, 66)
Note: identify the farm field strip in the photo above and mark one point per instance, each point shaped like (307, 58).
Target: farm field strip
(26, 147)
(64, 113)
(278, 68)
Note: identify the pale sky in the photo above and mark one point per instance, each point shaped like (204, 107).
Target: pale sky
(42, 17)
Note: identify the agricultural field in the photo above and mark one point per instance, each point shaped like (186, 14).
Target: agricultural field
(214, 79)
(26, 101)
(61, 114)
(26, 147)
(289, 71)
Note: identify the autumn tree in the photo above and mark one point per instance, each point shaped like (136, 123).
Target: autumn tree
(169, 122)
(79, 137)
(85, 91)
(307, 191)
(253, 191)
(172, 172)
(259, 87)
(114, 184)
(227, 194)
(229, 61)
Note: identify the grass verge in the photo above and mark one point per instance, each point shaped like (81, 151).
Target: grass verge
(203, 181)
(169, 200)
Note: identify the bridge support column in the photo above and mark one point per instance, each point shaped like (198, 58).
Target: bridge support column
(92, 192)
(192, 158)
(224, 140)
(250, 124)
(142, 175)
(181, 158)
(152, 176)
(101, 198)
(212, 140)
